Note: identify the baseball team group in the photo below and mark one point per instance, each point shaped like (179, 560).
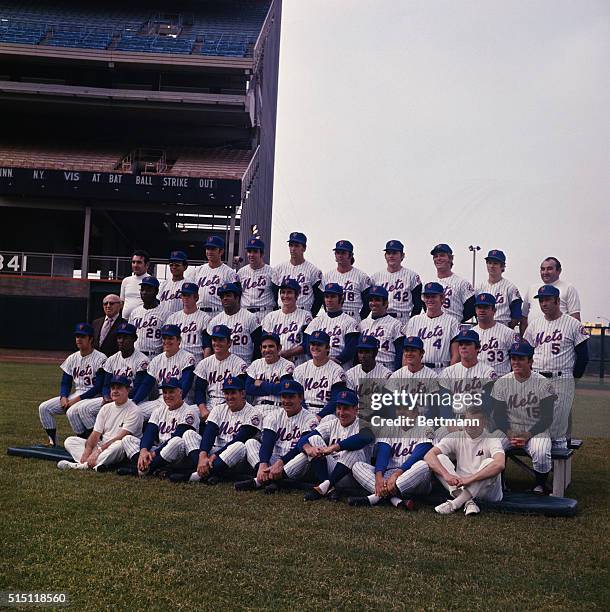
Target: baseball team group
(263, 376)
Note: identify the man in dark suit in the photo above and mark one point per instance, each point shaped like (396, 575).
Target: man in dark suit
(104, 328)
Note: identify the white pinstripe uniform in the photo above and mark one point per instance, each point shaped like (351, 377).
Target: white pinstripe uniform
(495, 342)
(169, 295)
(269, 372)
(83, 371)
(215, 372)
(354, 283)
(306, 274)
(386, 329)
(191, 327)
(367, 383)
(457, 291)
(289, 327)
(436, 333)
(167, 420)
(256, 288)
(328, 432)
(241, 324)
(399, 286)
(422, 381)
(459, 379)
(522, 399)
(148, 324)
(336, 327)
(228, 426)
(505, 293)
(289, 431)
(209, 281)
(317, 382)
(417, 480)
(554, 345)
(569, 301)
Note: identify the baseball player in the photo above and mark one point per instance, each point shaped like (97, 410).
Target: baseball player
(130, 285)
(282, 430)
(149, 318)
(321, 377)
(211, 372)
(403, 285)
(256, 280)
(560, 353)
(363, 377)
(507, 296)
(193, 323)
(244, 326)
(81, 369)
(386, 328)
(229, 426)
(289, 322)
(523, 410)
(341, 328)
(436, 328)
(304, 272)
(355, 282)
(496, 339)
(266, 375)
(161, 443)
(210, 276)
(458, 299)
(115, 420)
(169, 291)
(475, 472)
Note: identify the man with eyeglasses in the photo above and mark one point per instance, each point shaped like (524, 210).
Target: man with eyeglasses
(130, 285)
(104, 328)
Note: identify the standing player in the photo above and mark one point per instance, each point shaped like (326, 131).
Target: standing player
(436, 328)
(192, 322)
(458, 298)
(304, 272)
(507, 296)
(341, 328)
(149, 318)
(81, 369)
(169, 291)
(130, 285)
(560, 353)
(289, 322)
(355, 282)
(384, 327)
(496, 339)
(256, 280)
(210, 276)
(403, 285)
(244, 326)
(362, 377)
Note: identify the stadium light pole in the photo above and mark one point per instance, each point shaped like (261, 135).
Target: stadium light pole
(474, 248)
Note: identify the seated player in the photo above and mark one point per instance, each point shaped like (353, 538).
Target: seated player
(81, 369)
(222, 446)
(114, 421)
(282, 429)
(161, 444)
(523, 409)
(475, 471)
(265, 375)
(149, 318)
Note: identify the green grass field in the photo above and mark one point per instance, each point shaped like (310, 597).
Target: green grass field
(122, 543)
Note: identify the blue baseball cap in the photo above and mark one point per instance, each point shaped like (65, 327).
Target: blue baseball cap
(496, 256)
(485, 299)
(229, 288)
(347, 398)
(83, 329)
(523, 349)
(180, 256)
(441, 248)
(291, 283)
(413, 342)
(394, 245)
(433, 289)
(298, 237)
(271, 336)
(367, 343)
(214, 242)
(467, 335)
(378, 291)
(334, 288)
(171, 383)
(170, 330)
(292, 387)
(232, 383)
(189, 289)
(120, 380)
(126, 329)
(344, 245)
(255, 244)
(151, 281)
(319, 337)
(547, 291)
(220, 331)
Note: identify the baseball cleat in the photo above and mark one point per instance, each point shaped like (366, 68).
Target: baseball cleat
(358, 501)
(271, 489)
(539, 490)
(333, 496)
(470, 508)
(313, 495)
(407, 504)
(246, 485)
(127, 470)
(194, 477)
(212, 480)
(64, 464)
(178, 477)
(444, 508)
